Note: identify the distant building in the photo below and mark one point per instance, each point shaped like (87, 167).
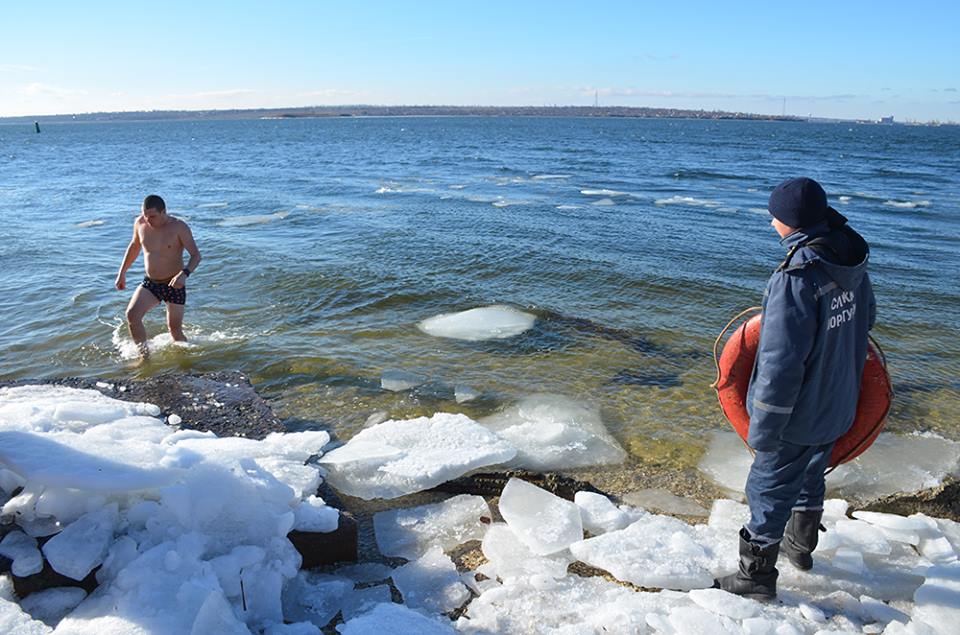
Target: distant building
(886, 119)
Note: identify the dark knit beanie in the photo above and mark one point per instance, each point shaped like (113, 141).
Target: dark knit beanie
(799, 202)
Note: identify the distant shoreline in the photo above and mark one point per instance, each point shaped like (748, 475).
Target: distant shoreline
(407, 111)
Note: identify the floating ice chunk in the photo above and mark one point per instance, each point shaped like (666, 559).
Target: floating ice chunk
(544, 522)
(869, 476)
(51, 605)
(44, 461)
(508, 557)
(22, 550)
(553, 432)
(399, 380)
(937, 601)
(14, 621)
(664, 501)
(431, 582)
(572, 606)
(363, 600)
(410, 533)
(464, 394)
(82, 546)
(484, 323)
(396, 620)
(723, 603)
(315, 597)
(655, 551)
(598, 514)
(401, 457)
(315, 515)
(862, 535)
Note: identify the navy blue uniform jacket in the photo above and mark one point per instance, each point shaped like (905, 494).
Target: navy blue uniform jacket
(817, 311)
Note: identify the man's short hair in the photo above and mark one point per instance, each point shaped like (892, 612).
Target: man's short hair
(154, 202)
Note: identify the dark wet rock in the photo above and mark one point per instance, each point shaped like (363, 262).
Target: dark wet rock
(224, 403)
(50, 579)
(492, 483)
(318, 549)
(939, 502)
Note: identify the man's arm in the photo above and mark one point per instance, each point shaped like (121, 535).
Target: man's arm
(133, 250)
(186, 238)
(786, 338)
(871, 303)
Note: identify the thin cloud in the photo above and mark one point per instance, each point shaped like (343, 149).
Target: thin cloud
(38, 89)
(18, 68)
(633, 92)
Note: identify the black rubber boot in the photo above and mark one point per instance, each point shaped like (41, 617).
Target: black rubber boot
(757, 577)
(800, 537)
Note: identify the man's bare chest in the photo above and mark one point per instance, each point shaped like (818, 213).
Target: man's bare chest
(160, 240)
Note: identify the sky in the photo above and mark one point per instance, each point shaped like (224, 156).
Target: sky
(845, 59)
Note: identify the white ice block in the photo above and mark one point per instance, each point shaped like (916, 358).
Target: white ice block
(23, 551)
(483, 323)
(544, 522)
(82, 546)
(409, 533)
(431, 582)
(395, 618)
(401, 457)
(508, 556)
(598, 513)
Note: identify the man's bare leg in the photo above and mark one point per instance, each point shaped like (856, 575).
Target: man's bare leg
(141, 302)
(175, 321)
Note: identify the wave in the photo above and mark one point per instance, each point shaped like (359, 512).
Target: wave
(255, 219)
(844, 199)
(90, 223)
(550, 177)
(604, 192)
(906, 204)
(401, 189)
(604, 202)
(211, 205)
(164, 342)
(687, 200)
(707, 174)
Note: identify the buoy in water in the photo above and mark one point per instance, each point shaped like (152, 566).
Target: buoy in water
(735, 366)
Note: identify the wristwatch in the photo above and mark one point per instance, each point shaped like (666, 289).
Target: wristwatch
(186, 271)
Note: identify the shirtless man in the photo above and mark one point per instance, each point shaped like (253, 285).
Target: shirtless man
(163, 239)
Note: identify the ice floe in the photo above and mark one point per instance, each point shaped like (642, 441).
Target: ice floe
(411, 532)
(401, 457)
(483, 323)
(878, 472)
(431, 582)
(554, 432)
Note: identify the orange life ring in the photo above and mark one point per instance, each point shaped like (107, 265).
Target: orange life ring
(735, 367)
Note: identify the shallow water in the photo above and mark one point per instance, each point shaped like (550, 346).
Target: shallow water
(327, 241)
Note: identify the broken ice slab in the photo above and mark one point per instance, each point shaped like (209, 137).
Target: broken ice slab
(544, 522)
(401, 457)
(654, 551)
(399, 380)
(314, 515)
(431, 582)
(464, 394)
(880, 471)
(573, 606)
(934, 544)
(51, 605)
(598, 513)
(362, 600)
(937, 602)
(395, 618)
(23, 551)
(663, 501)
(724, 603)
(554, 432)
(314, 597)
(508, 557)
(82, 546)
(483, 323)
(860, 535)
(410, 533)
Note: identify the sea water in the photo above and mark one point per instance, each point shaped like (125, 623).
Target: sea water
(326, 242)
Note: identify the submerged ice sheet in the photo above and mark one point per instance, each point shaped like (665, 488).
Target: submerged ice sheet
(880, 471)
(401, 457)
(483, 323)
(553, 432)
